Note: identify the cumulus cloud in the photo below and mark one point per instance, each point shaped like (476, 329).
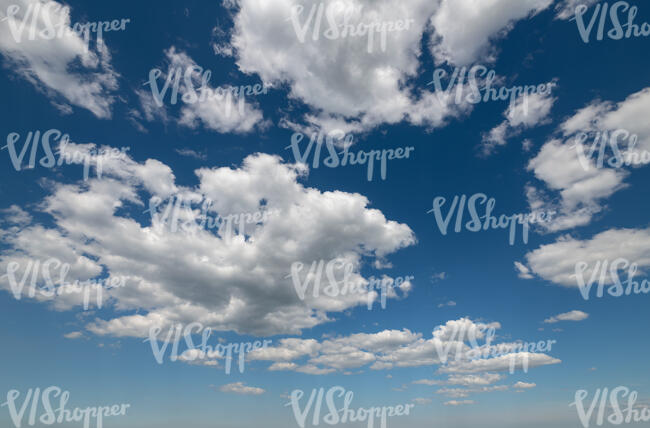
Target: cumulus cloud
(231, 112)
(241, 283)
(556, 262)
(464, 29)
(65, 68)
(567, 316)
(566, 164)
(358, 83)
(452, 347)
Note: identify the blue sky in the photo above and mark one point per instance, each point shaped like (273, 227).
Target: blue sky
(240, 160)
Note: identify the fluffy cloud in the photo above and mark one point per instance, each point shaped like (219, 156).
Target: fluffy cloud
(228, 113)
(566, 164)
(464, 28)
(239, 283)
(345, 86)
(526, 112)
(500, 363)
(65, 68)
(240, 388)
(567, 316)
(450, 348)
(556, 262)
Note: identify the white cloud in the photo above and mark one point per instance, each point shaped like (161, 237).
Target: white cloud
(581, 183)
(240, 388)
(344, 85)
(458, 403)
(526, 112)
(465, 28)
(524, 385)
(519, 360)
(556, 262)
(421, 401)
(240, 284)
(16, 216)
(567, 316)
(467, 380)
(61, 67)
(225, 114)
(524, 272)
(191, 153)
(73, 335)
(394, 348)
(567, 9)
(580, 190)
(449, 303)
(465, 392)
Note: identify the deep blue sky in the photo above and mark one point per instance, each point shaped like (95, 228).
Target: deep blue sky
(479, 273)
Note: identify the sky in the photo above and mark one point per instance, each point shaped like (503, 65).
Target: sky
(274, 78)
